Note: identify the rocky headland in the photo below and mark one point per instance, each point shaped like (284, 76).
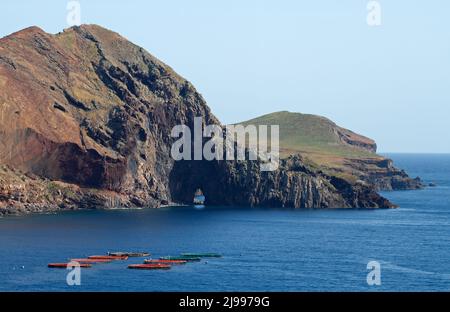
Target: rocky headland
(85, 122)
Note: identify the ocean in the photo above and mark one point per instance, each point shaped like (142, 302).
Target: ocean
(263, 249)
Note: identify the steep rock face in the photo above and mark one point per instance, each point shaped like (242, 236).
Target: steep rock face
(383, 175)
(294, 184)
(90, 109)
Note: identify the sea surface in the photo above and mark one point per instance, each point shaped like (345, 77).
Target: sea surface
(263, 249)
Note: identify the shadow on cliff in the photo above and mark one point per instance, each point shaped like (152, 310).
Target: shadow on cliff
(222, 182)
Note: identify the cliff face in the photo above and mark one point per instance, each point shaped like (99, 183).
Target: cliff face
(89, 109)
(382, 174)
(294, 184)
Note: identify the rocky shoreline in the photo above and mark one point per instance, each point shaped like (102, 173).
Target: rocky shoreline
(294, 185)
(26, 193)
(382, 175)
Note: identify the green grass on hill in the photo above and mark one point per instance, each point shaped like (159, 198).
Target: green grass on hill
(316, 137)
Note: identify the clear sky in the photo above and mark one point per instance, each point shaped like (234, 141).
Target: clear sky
(251, 57)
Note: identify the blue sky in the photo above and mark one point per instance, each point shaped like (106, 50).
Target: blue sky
(248, 58)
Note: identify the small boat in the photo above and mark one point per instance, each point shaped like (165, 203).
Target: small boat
(129, 254)
(150, 261)
(199, 198)
(150, 266)
(91, 260)
(188, 259)
(65, 265)
(108, 257)
(202, 255)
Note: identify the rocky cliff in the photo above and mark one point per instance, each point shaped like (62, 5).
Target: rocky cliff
(85, 121)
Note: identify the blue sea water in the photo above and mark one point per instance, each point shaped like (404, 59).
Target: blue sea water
(263, 249)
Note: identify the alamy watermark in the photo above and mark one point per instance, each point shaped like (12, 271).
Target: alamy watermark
(73, 278)
(229, 143)
(73, 17)
(373, 13)
(374, 276)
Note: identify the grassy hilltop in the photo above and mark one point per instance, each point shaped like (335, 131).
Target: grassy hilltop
(334, 150)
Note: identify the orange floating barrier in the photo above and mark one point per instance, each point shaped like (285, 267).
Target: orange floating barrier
(91, 260)
(65, 265)
(155, 266)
